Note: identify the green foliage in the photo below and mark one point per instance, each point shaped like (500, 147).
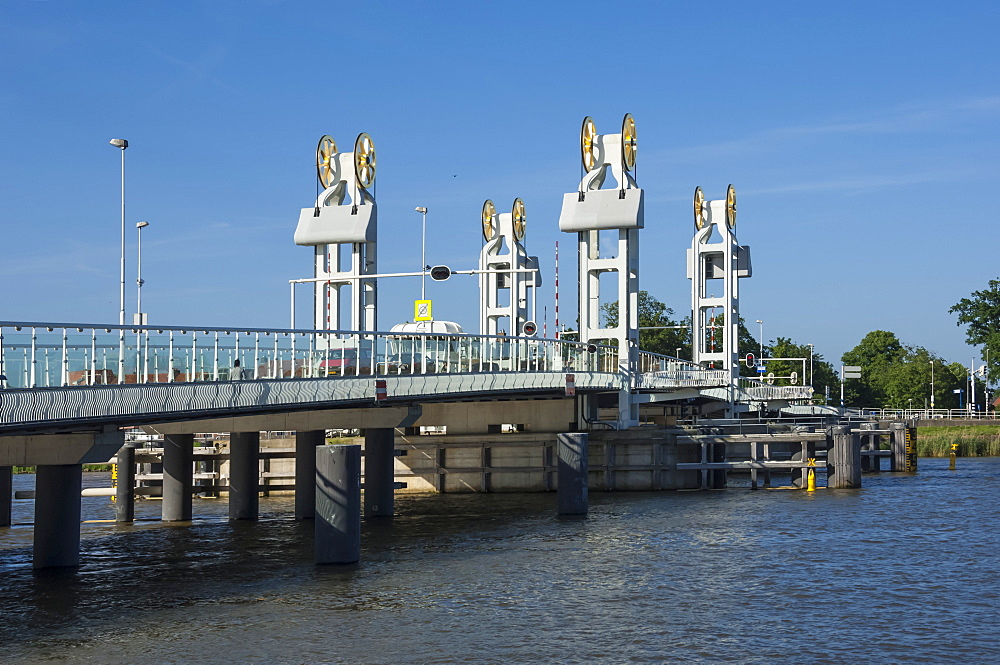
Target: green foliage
(664, 338)
(981, 313)
(894, 375)
(973, 441)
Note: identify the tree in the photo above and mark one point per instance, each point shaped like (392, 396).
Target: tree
(663, 334)
(823, 373)
(981, 313)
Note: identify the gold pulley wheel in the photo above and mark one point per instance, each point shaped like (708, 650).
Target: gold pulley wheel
(326, 162)
(489, 217)
(628, 142)
(588, 147)
(517, 217)
(364, 160)
(699, 208)
(731, 207)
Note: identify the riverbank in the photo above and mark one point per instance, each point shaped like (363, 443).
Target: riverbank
(972, 440)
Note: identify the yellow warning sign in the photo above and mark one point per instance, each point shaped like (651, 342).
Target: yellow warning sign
(422, 310)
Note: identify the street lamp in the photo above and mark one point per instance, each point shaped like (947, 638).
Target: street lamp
(140, 318)
(932, 385)
(810, 363)
(761, 337)
(423, 245)
(122, 144)
(678, 352)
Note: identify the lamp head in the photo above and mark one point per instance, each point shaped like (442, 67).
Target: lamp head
(119, 143)
(421, 209)
(140, 225)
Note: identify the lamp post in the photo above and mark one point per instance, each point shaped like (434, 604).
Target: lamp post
(140, 319)
(122, 144)
(423, 246)
(810, 363)
(932, 386)
(678, 352)
(761, 337)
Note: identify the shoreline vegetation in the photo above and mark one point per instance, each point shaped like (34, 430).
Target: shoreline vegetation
(972, 440)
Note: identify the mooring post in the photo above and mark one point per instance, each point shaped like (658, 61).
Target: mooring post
(178, 461)
(338, 504)
(379, 471)
(244, 475)
(904, 447)
(125, 484)
(6, 494)
(57, 515)
(843, 467)
(571, 479)
(305, 472)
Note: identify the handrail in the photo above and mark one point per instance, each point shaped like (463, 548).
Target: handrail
(49, 354)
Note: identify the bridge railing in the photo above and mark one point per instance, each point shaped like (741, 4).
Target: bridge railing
(39, 355)
(761, 390)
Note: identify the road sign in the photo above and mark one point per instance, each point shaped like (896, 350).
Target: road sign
(761, 369)
(440, 273)
(852, 368)
(529, 328)
(850, 371)
(422, 310)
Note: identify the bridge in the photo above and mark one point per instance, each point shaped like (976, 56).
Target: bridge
(67, 390)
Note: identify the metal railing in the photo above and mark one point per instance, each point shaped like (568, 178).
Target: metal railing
(922, 414)
(41, 355)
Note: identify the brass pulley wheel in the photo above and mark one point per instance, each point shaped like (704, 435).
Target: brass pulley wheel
(628, 142)
(588, 147)
(489, 220)
(326, 162)
(699, 208)
(517, 217)
(364, 160)
(731, 207)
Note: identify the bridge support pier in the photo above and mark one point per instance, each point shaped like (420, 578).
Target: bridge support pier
(305, 472)
(57, 516)
(338, 504)
(6, 493)
(903, 442)
(379, 468)
(244, 475)
(571, 488)
(844, 459)
(178, 458)
(125, 484)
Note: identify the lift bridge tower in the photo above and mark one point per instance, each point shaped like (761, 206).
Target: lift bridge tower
(506, 279)
(715, 264)
(619, 209)
(342, 227)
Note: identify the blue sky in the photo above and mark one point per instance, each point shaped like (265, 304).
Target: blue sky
(861, 137)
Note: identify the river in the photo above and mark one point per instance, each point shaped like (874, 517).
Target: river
(904, 570)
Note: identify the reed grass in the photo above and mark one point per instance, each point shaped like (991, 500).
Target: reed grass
(972, 440)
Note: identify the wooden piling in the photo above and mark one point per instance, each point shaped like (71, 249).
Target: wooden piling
(844, 459)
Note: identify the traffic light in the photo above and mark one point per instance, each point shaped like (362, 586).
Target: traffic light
(440, 273)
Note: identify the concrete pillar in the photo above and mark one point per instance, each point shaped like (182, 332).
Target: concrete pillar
(869, 443)
(305, 472)
(6, 494)
(178, 461)
(379, 476)
(571, 488)
(244, 475)
(125, 484)
(843, 466)
(903, 443)
(57, 516)
(338, 504)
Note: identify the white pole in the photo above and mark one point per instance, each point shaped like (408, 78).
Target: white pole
(932, 385)
(423, 253)
(121, 298)
(138, 271)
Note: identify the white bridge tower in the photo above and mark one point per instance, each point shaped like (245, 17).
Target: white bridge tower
(506, 275)
(587, 212)
(715, 264)
(342, 227)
